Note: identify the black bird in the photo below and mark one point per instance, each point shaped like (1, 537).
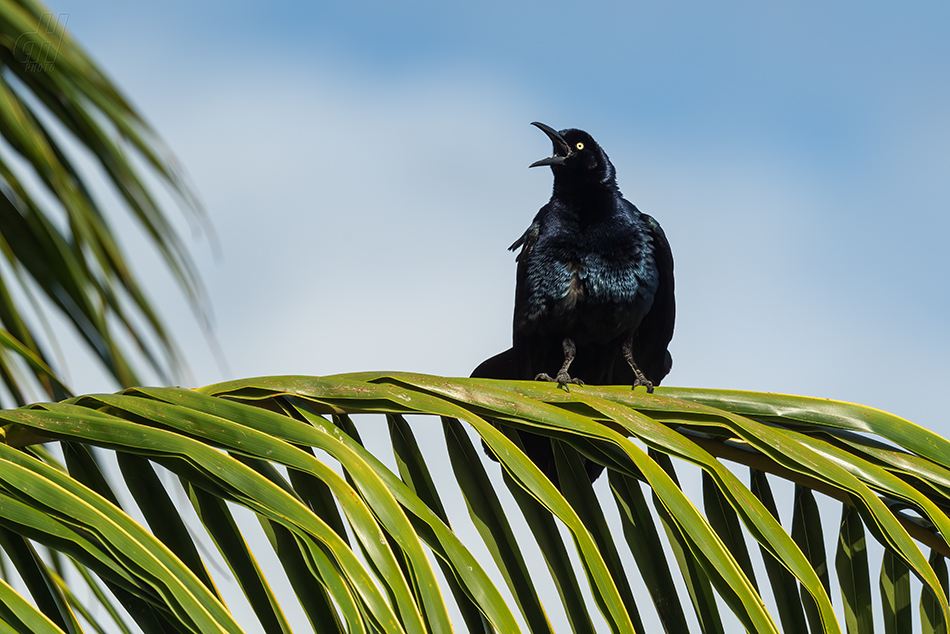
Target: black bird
(594, 297)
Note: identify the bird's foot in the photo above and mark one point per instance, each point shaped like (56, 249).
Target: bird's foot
(641, 378)
(562, 379)
(645, 383)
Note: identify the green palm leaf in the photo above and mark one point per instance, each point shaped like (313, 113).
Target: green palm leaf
(358, 542)
(52, 95)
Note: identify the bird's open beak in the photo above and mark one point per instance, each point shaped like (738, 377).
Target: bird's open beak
(561, 148)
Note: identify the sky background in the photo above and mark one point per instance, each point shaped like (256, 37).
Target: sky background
(364, 166)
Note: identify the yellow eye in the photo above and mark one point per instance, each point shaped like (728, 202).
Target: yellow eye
(579, 146)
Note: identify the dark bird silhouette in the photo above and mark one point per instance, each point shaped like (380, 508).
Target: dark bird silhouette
(594, 296)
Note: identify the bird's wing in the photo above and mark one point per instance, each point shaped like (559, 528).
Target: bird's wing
(656, 330)
(527, 239)
(524, 342)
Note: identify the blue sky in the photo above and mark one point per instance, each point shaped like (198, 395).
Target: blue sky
(365, 167)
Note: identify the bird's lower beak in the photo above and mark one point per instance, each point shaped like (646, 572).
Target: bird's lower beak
(561, 148)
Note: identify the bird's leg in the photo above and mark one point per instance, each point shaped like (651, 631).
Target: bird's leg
(570, 351)
(641, 378)
(563, 378)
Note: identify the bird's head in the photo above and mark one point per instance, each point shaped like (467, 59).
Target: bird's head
(576, 156)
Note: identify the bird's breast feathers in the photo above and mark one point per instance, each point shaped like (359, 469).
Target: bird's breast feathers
(564, 287)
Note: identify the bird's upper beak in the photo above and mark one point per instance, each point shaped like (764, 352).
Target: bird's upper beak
(561, 149)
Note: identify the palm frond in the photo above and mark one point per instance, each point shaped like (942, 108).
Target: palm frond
(54, 236)
(367, 548)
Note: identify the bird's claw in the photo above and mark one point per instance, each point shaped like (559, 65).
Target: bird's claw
(645, 383)
(562, 379)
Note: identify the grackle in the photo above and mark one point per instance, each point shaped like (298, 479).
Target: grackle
(594, 294)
